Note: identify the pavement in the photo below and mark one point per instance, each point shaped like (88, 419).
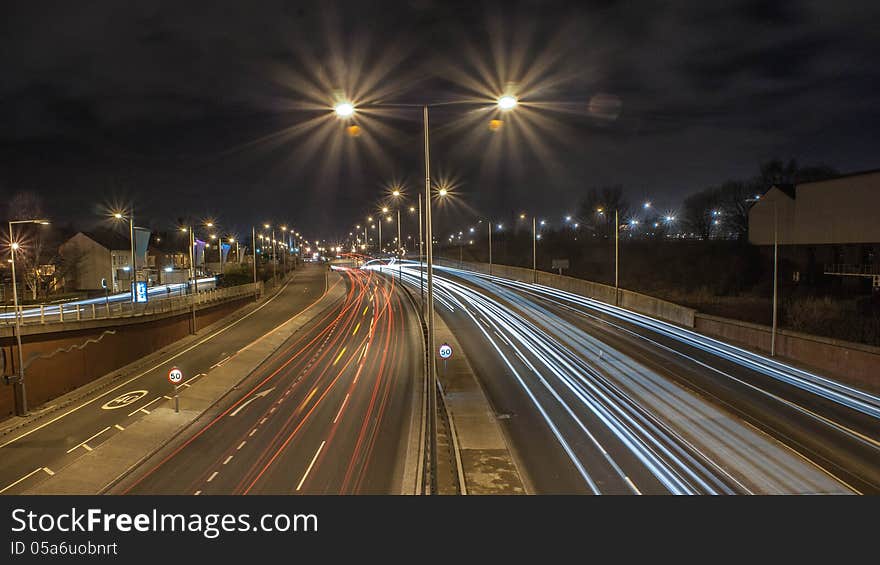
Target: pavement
(35, 449)
(332, 410)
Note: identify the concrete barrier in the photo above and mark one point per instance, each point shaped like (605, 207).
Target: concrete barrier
(856, 363)
(641, 303)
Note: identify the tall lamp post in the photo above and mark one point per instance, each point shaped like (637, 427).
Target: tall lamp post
(775, 273)
(18, 385)
(272, 241)
(130, 218)
(345, 110)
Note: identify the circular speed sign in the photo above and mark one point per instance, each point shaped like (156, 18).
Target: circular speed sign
(445, 351)
(175, 375)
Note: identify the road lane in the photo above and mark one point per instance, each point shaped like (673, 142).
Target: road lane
(332, 412)
(56, 440)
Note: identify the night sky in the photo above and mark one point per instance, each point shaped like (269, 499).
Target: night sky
(222, 108)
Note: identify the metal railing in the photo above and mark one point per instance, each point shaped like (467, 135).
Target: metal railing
(61, 313)
(852, 269)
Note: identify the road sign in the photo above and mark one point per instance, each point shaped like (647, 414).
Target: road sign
(445, 351)
(175, 375)
(139, 291)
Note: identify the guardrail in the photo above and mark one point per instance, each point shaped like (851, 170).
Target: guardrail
(124, 309)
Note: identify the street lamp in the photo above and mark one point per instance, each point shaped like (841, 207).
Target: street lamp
(18, 384)
(274, 267)
(775, 270)
(345, 109)
(130, 218)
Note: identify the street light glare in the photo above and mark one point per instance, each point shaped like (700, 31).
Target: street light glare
(507, 102)
(15, 246)
(344, 109)
(443, 192)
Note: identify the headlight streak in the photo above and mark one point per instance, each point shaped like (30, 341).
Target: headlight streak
(836, 425)
(646, 438)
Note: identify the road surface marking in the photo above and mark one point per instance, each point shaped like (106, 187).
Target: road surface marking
(118, 427)
(228, 459)
(364, 313)
(340, 408)
(166, 397)
(83, 444)
(338, 356)
(214, 474)
(162, 363)
(7, 487)
(356, 328)
(191, 379)
(263, 421)
(240, 445)
(198, 492)
(49, 471)
(320, 447)
(260, 394)
(253, 431)
(218, 363)
(144, 407)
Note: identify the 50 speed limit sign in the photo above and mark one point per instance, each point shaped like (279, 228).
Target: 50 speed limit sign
(445, 351)
(175, 375)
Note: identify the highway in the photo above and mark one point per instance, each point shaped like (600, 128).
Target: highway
(596, 399)
(336, 409)
(34, 453)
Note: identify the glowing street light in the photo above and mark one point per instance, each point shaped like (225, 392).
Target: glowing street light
(442, 192)
(507, 102)
(344, 109)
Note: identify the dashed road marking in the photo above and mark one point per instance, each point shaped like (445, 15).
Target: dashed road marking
(320, 447)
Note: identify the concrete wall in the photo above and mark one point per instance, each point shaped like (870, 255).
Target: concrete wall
(641, 303)
(134, 338)
(858, 364)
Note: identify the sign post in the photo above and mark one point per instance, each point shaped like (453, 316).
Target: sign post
(175, 376)
(445, 353)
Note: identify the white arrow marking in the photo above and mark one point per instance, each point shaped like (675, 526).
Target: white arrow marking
(251, 399)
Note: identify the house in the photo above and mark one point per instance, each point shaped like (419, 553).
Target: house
(168, 259)
(101, 259)
(828, 231)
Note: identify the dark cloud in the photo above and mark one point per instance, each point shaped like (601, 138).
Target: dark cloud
(164, 101)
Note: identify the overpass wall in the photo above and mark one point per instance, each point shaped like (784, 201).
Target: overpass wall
(69, 364)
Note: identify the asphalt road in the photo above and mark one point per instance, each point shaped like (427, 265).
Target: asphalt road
(33, 453)
(330, 412)
(597, 400)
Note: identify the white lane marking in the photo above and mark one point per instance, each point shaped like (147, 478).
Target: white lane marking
(118, 427)
(341, 407)
(191, 379)
(86, 447)
(228, 459)
(214, 474)
(162, 363)
(166, 397)
(144, 407)
(240, 445)
(198, 492)
(253, 431)
(301, 481)
(218, 363)
(49, 471)
(85, 441)
(260, 394)
(9, 486)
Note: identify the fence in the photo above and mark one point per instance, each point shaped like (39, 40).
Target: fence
(107, 309)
